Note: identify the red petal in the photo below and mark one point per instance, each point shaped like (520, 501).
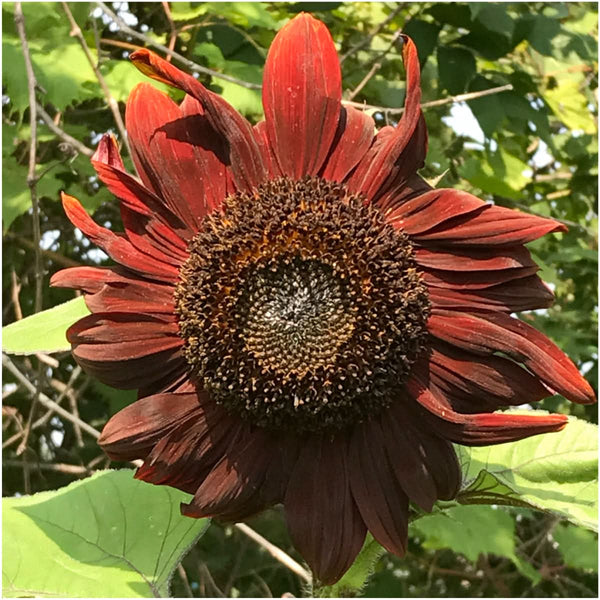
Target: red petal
(108, 290)
(479, 223)
(138, 199)
(386, 162)
(521, 342)
(302, 92)
(133, 431)
(269, 158)
(243, 150)
(382, 503)
(352, 141)
(323, 520)
(108, 153)
(479, 429)
(117, 247)
(400, 191)
(179, 156)
(432, 208)
(474, 280)
(127, 351)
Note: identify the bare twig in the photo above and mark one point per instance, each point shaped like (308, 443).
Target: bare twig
(433, 103)
(63, 135)
(31, 178)
(44, 400)
(178, 57)
(275, 552)
(54, 256)
(367, 40)
(173, 33)
(112, 103)
(15, 289)
(57, 467)
(184, 578)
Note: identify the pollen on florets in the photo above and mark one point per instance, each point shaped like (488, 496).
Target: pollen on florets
(300, 307)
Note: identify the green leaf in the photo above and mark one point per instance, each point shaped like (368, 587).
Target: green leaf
(45, 331)
(121, 77)
(579, 547)
(244, 100)
(489, 110)
(107, 536)
(473, 530)
(424, 35)
(571, 106)
(457, 68)
(556, 473)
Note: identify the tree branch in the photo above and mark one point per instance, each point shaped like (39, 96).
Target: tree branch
(178, 57)
(112, 103)
(63, 135)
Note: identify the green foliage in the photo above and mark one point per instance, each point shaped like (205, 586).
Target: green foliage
(106, 536)
(578, 546)
(557, 473)
(474, 530)
(44, 331)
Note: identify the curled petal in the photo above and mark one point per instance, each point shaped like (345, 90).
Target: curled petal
(492, 333)
(482, 429)
(244, 152)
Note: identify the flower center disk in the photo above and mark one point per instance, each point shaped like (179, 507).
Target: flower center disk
(300, 307)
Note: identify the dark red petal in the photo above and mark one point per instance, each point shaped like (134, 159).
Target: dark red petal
(135, 430)
(474, 280)
(474, 259)
(247, 479)
(385, 161)
(492, 333)
(352, 140)
(185, 456)
(302, 92)
(400, 191)
(322, 518)
(127, 351)
(179, 156)
(476, 383)
(137, 199)
(382, 503)
(425, 465)
(243, 150)
(479, 429)
(522, 294)
(117, 247)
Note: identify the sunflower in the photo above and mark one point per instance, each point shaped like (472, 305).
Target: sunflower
(305, 319)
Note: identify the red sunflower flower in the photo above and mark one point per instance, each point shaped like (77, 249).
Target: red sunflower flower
(307, 321)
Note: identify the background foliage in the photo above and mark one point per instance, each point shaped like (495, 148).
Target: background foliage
(533, 147)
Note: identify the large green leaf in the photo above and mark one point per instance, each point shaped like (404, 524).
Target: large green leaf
(106, 536)
(556, 473)
(473, 530)
(45, 331)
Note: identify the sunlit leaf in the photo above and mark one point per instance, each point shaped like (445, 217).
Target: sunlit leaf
(43, 331)
(556, 473)
(107, 536)
(579, 547)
